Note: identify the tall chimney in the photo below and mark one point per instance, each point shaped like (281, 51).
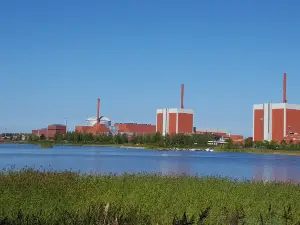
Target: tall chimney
(98, 110)
(284, 88)
(182, 96)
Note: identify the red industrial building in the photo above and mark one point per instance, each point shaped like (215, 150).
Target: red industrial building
(101, 125)
(212, 131)
(175, 120)
(97, 127)
(134, 128)
(236, 138)
(274, 121)
(50, 131)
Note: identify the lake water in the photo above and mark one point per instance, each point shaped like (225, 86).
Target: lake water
(117, 160)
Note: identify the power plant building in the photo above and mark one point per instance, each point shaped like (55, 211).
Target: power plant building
(51, 131)
(96, 125)
(135, 128)
(275, 121)
(174, 121)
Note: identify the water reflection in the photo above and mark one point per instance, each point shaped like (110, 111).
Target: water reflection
(278, 168)
(116, 160)
(282, 174)
(177, 166)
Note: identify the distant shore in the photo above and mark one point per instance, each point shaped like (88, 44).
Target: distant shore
(215, 149)
(261, 151)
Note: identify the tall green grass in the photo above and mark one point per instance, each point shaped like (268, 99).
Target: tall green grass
(60, 198)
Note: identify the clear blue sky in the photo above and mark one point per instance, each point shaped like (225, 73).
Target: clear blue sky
(57, 57)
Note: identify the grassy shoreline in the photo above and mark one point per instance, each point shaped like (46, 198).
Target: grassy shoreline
(51, 195)
(261, 151)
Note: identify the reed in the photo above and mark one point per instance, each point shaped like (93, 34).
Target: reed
(60, 198)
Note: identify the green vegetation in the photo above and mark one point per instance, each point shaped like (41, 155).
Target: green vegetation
(46, 144)
(68, 198)
(271, 145)
(153, 140)
(265, 147)
(259, 151)
(157, 141)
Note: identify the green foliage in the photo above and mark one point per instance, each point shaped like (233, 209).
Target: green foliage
(33, 138)
(248, 143)
(267, 145)
(155, 140)
(31, 197)
(229, 144)
(42, 137)
(46, 144)
(58, 137)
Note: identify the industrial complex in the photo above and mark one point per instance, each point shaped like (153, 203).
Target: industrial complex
(168, 121)
(271, 121)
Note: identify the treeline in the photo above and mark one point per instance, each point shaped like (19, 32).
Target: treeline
(272, 145)
(176, 140)
(168, 141)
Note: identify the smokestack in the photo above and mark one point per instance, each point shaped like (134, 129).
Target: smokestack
(182, 96)
(98, 110)
(284, 88)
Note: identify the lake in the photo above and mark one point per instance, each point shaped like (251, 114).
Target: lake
(88, 159)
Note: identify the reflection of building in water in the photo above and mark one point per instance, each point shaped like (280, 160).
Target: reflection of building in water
(280, 174)
(173, 165)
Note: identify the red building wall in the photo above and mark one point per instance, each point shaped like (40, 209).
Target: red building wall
(159, 122)
(292, 121)
(172, 123)
(258, 125)
(96, 129)
(185, 123)
(50, 131)
(40, 132)
(277, 124)
(236, 137)
(139, 129)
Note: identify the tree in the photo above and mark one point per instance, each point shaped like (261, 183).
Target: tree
(33, 138)
(125, 138)
(229, 144)
(248, 143)
(58, 137)
(42, 137)
(283, 142)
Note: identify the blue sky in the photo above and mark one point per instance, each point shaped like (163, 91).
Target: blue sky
(57, 57)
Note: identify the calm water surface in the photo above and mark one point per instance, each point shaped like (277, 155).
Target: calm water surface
(116, 160)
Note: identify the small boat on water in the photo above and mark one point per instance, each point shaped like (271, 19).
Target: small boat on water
(209, 150)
